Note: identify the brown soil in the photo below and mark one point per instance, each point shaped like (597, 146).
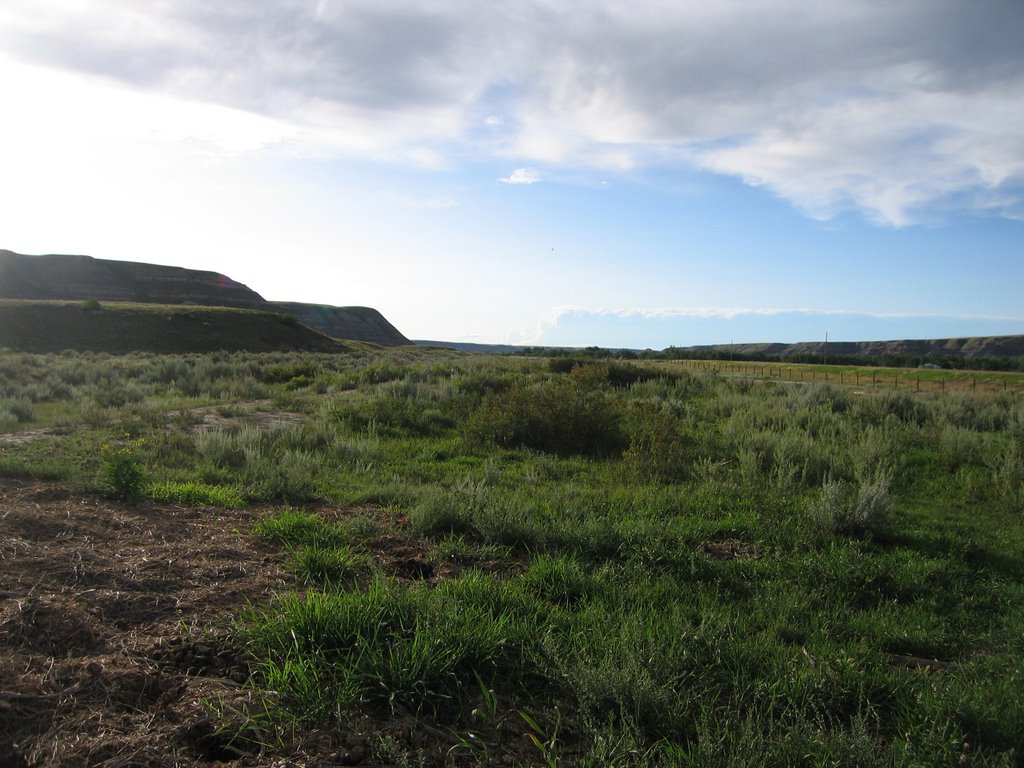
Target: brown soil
(113, 649)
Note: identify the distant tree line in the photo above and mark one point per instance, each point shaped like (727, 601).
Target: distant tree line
(887, 360)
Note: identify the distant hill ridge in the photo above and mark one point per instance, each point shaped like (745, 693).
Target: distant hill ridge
(73, 278)
(361, 323)
(61, 277)
(967, 348)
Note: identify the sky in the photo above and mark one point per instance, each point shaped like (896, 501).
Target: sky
(623, 174)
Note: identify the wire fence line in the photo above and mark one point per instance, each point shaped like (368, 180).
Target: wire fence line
(908, 380)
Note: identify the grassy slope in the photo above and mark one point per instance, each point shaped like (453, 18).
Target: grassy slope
(52, 326)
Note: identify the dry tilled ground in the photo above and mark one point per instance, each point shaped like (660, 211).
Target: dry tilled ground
(112, 643)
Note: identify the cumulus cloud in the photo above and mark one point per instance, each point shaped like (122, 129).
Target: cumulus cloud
(521, 176)
(894, 110)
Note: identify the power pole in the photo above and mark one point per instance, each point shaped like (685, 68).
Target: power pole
(826, 347)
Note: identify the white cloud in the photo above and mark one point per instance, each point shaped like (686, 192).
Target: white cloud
(894, 110)
(521, 176)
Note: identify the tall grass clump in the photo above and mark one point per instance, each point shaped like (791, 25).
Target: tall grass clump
(1008, 475)
(318, 565)
(197, 494)
(441, 513)
(418, 649)
(863, 513)
(298, 528)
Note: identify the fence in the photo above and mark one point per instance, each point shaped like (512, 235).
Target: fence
(906, 379)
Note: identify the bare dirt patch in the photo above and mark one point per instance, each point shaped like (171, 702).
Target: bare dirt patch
(113, 648)
(255, 413)
(730, 549)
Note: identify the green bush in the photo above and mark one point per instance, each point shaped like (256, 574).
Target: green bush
(123, 476)
(657, 449)
(295, 374)
(20, 409)
(571, 415)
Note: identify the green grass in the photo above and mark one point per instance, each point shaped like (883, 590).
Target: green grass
(719, 570)
(197, 494)
(296, 528)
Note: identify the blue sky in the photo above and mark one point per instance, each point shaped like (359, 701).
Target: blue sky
(637, 174)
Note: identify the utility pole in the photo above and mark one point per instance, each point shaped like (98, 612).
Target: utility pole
(826, 347)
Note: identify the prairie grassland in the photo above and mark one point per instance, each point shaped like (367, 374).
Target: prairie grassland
(916, 380)
(612, 563)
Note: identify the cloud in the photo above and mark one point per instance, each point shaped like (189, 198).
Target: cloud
(521, 176)
(894, 110)
(661, 328)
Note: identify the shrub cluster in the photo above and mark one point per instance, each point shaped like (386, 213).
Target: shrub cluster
(570, 415)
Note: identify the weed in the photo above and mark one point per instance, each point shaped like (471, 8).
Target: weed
(546, 743)
(123, 475)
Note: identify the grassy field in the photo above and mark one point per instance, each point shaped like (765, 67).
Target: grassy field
(546, 563)
(914, 380)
